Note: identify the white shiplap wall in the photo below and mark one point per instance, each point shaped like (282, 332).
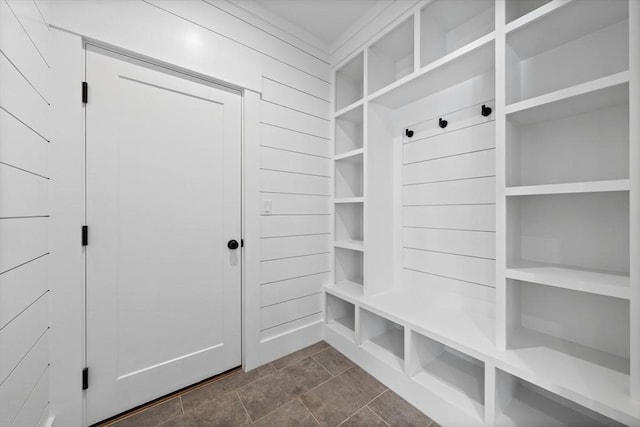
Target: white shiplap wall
(24, 213)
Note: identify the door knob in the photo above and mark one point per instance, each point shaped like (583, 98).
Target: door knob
(233, 244)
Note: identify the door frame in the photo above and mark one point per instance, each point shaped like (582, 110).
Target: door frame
(208, 81)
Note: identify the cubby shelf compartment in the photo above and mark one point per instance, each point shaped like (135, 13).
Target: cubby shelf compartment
(547, 54)
(570, 188)
(522, 404)
(349, 176)
(472, 60)
(454, 376)
(391, 57)
(349, 84)
(349, 131)
(354, 245)
(383, 338)
(596, 282)
(447, 25)
(344, 200)
(522, 12)
(340, 316)
(349, 268)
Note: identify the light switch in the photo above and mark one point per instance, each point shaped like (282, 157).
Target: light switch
(266, 207)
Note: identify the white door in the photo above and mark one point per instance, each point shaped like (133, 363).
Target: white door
(163, 194)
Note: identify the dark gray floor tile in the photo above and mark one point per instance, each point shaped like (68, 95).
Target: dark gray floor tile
(333, 361)
(152, 416)
(338, 399)
(365, 417)
(293, 414)
(226, 411)
(273, 391)
(224, 385)
(300, 354)
(398, 412)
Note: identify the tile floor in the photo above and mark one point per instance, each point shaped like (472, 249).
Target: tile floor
(314, 386)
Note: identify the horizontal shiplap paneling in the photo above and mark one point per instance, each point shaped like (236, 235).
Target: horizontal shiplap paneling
(289, 268)
(291, 119)
(22, 193)
(282, 94)
(35, 408)
(471, 243)
(470, 191)
(290, 204)
(285, 182)
(463, 166)
(17, 338)
(294, 225)
(280, 160)
(286, 290)
(21, 147)
(466, 140)
(460, 217)
(15, 390)
(294, 325)
(469, 269)
(287, 311)
(21, 240)
(284, 247)
(20, 287)
(272, 136)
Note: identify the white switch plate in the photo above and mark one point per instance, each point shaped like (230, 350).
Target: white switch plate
(266, 207)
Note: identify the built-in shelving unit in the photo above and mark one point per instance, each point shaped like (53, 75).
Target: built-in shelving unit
(349, 83)
(487, 163)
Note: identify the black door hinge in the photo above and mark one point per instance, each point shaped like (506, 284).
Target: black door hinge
(85, 92)
(85, 235)
(242, 243)
(85, 378)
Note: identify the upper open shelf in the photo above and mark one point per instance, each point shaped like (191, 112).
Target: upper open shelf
(516, 9)
(448, 25)
(350, 82)
(391, 57)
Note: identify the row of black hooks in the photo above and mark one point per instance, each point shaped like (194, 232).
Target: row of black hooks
(485, 111)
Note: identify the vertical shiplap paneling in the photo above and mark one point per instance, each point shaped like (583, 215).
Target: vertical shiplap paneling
(24, 213)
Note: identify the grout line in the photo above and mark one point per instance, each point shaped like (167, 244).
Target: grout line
(243, 407)
(309, 410)
(320, 363)
(266, 415)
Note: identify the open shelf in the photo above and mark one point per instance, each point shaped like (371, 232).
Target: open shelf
(383, 338)
(452, 375)
(349, 131)
(349, 267)
(348, 200)
(517, 9)
(349, 177)
(354, 245)
(570, 188)
(391, 57)
(349, 82)
(523, 404)
(348, 154)
(340, 316)
(592, 281)
(447, 25)
(349, 222)
(472, 60)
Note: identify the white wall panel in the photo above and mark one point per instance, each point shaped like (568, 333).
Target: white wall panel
(36, 406)
(470, 269)
(21, 240)
(286, 290)
(294, 225)
(271, 136)
(280, 160)
(284, 247)
(463, 166)
(283, 94)
(22, 193)
(299, 326)
(471, 191)
(287, 311)
(291, 119)
(471, 243)
(306, 82)
(290, 204)
(289, 268)
(20, 287)
(34, 24)
(284, 182)
(21, 147)
(460, 217)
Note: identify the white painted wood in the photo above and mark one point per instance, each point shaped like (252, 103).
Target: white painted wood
(349, 267)
(21, 147)
(520, 12)
(283, 94)
(349, 83)
(281, 160)
(286, 247)
(271, 136)
(131, 149)
(294, 225)
(285, 290)
(20, 287)
(620, 185)
(391, 57)
(470, 191)
(34, 25)
(35, 407)
(472, 243)
(22, 193)
(294, 204)
(21, 240)
(283, 72)
(272, 181)
(348, 177)
(461, 217)
(289, 268)
(303, 330)
(288, 118)
(349, 131)
(464, 166)
(470, 269)
(340, 316)
(17, 337)
(278, 314)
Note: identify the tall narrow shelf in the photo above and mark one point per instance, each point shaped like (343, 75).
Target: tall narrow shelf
(349, 83)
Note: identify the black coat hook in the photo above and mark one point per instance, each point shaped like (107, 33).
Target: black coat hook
(442, 123)
(486, 110)
(409, 133)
